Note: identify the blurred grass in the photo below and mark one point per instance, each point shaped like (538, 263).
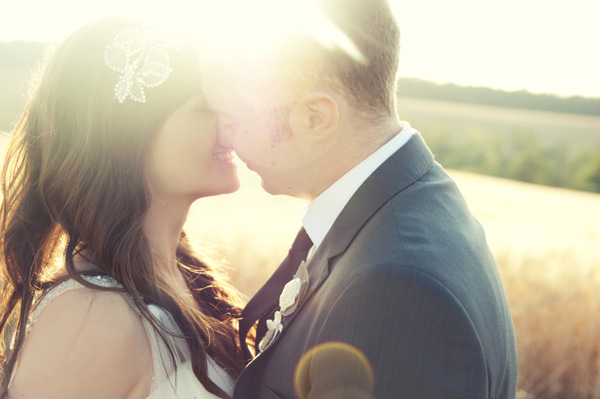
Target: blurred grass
(549, 148)
(555, 304)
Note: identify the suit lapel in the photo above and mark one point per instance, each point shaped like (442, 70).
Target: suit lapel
(403, 168)
(265, 300)
(318, 271)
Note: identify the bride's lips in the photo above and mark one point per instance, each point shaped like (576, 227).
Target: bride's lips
(225, 156)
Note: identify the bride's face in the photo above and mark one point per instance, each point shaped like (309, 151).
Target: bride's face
(185, 159)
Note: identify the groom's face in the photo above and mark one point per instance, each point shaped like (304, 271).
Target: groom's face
(257, 127)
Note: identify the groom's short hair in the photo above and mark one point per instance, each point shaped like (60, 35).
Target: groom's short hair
(372, 27)
(369, 83)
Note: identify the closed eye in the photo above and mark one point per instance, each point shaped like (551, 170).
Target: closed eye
(227, 124)
(198, 104)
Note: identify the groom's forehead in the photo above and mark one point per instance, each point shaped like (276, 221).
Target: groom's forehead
(246, 78)
(243, 103)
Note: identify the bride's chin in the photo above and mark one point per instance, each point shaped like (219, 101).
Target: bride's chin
(234, 183)
(229, 188)
(235, 186)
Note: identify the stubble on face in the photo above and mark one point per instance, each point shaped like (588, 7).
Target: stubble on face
(278, 124)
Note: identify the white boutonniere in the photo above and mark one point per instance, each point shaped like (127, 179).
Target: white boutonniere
(288, 303)
(275, 324)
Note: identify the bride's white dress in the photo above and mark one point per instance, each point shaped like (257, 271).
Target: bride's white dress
(168, 380)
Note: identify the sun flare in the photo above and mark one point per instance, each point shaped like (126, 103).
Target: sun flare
(238, 28)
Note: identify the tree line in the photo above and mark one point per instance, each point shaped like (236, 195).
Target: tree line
(518, 155)
(412, 87)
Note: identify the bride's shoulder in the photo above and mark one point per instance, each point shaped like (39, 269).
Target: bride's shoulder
(81, 339)
(72, 305)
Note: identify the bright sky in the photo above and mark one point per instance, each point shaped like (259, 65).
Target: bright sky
(544, 46)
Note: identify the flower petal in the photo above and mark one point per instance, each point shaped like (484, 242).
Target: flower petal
(130, 38)
(136, 92)
(122, 89)
(153, 74)
(157, 56)
(264, 343)
(290, 293)
(116, 58)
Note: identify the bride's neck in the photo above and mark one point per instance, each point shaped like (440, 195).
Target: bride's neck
(163, 225)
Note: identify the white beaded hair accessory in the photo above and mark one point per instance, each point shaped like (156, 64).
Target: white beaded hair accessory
(141, 59)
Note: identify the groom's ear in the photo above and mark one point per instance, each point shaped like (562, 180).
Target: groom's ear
(316, 115)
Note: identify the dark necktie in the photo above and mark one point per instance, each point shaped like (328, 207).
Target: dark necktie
(266, 300)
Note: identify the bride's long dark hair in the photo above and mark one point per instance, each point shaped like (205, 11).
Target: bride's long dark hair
(73, 183)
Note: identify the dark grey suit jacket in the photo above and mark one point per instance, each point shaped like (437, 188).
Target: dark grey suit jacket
(405, 300)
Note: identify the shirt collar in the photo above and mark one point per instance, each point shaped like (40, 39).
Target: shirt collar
(324, 210)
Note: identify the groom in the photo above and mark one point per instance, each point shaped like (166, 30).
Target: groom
(390, 290)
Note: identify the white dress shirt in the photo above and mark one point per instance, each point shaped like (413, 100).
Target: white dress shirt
(324, 210)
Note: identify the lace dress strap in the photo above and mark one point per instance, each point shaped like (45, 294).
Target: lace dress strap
(68, 285)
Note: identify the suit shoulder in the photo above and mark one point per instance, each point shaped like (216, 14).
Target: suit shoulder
(398, 277)
(401, 308)
(391, 288)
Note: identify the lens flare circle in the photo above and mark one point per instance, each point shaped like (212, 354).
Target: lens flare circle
(342, 370)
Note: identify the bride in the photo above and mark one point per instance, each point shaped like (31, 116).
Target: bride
(103, 295)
